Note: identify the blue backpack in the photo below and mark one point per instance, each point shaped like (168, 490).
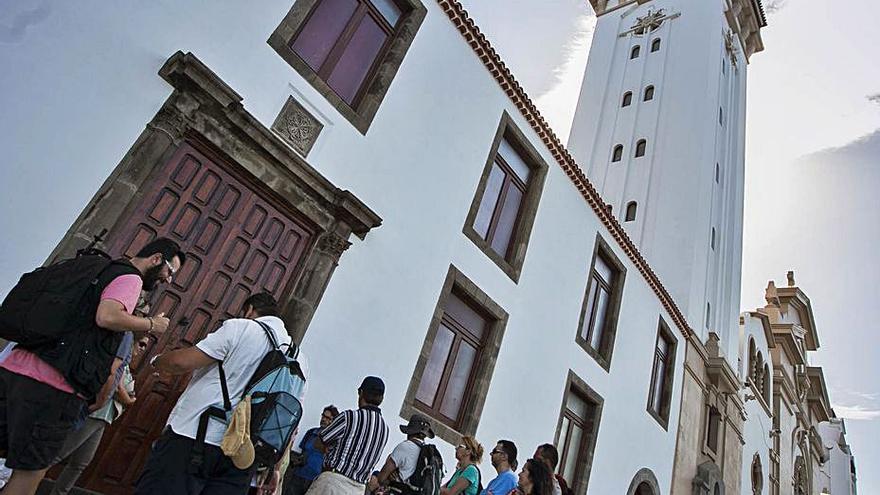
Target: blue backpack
(275, 408)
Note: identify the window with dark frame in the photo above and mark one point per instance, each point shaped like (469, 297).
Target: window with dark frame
(662, 372)
(617, 153)
(630, 212)
(455, 351)
(634, 53)
(503, 210)
(576, 436)
(655, 45)
(343, 39)
(649, 93)
(717, 173)
(641, 147)
(500, 207)
(713, 430)
(343, 48)
(597, 325)
(627, 99)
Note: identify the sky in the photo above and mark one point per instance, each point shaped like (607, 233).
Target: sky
(812, 168)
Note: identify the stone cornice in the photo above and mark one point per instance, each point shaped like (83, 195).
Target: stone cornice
(187, 72)
(784, 335)
(817, 396)
(793, 296)
(493, 63)
(765, 323)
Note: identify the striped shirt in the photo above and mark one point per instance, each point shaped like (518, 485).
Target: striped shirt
(355, 439)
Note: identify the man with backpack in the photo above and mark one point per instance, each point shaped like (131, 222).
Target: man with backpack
(68, 320)
(414, 467)
(187, 459)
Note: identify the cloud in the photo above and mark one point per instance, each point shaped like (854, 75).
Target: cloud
(14, 31)
(774, 6)
(874, 98)
(856, 413)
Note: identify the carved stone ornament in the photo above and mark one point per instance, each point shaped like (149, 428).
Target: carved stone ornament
(731, 44)
(333, 245)
(297, 127)
(649, 22)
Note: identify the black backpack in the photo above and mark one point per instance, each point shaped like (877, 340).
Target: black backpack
(427, 478)
(53, 301)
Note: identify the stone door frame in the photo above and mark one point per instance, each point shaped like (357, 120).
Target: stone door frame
(205, 111)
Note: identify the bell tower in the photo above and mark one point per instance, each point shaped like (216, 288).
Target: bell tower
(660, 130)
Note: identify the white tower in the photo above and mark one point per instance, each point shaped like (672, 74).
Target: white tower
(660, 130)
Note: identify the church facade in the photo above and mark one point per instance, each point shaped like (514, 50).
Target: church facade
(377, 167)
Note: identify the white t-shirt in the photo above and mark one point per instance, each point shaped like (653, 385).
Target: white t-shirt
(405, 457)
(240, 344)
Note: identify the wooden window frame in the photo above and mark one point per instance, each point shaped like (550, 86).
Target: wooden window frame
(375, 85)
(716, 419)
(603, 355)
(662, 416)
(584, 464)
(484, 364)
(511, 264)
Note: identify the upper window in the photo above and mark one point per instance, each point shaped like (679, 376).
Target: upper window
(617, 153)
(342, 48)
(577, 432)
(641, 146)
(655, 45)
(627, 99)
(454, 367)
(649, 93)
(663, 370)
(713, 430)
(717, 173)
(720, 116)
(598, 319)
(630, 212)
(712, 239)
(708, 315)
(504, 208)
(634, 53)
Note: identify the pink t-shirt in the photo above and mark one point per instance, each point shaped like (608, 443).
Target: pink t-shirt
(125, 289)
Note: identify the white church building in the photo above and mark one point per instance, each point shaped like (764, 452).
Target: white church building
(377, 167)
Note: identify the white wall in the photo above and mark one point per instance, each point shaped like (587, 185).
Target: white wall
(85, 84)
(838, 466)
(759, 423)
(674, 183)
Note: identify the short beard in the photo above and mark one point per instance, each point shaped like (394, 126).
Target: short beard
(152, 277)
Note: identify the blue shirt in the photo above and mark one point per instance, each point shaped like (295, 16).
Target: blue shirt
(314, 459)
(502, 484)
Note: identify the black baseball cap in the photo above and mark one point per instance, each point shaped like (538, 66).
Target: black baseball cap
(372, 384)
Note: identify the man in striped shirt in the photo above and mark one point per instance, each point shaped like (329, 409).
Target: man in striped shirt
(353, 443)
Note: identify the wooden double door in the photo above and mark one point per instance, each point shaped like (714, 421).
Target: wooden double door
(238, 240)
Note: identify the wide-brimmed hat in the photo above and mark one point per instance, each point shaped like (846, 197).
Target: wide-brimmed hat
(418, 424)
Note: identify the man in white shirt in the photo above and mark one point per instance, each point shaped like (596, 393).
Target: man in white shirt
(240, 344)
(401, 464)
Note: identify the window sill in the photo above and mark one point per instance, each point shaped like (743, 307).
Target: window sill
(601, 360)
(664, 422)
(506, 266)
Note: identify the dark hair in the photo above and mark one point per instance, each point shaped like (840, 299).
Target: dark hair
(372, 398)
(164, 246)
(549, 453)
(263, 303)
(508, 448)
(333, 411)
(541, 477)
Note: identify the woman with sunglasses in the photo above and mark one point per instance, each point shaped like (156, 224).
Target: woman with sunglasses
(466, 478)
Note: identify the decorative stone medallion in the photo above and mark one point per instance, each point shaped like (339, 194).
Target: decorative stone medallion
(297, 126)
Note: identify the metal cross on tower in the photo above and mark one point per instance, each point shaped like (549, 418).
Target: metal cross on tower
(649, 22)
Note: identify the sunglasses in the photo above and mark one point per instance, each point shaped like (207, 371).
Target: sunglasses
(461, 447)
(171, 269)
